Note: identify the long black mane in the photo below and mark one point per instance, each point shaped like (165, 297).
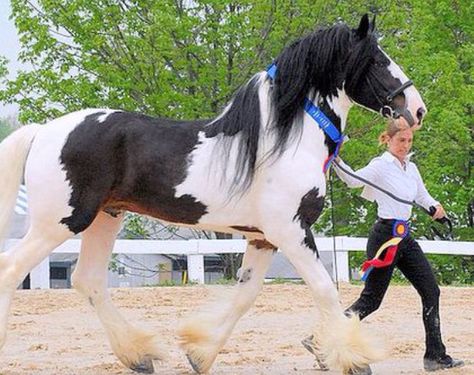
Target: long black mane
(243, 117)
(317, 63)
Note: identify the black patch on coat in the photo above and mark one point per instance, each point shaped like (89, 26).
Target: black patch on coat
(310, 208)
(130, 162)
(335, 119)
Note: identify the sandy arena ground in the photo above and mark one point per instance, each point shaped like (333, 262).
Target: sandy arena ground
(56, 332)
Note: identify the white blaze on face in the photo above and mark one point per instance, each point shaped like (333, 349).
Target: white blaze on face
(412, 96)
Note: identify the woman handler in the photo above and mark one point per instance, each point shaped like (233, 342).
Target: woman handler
(390, 244)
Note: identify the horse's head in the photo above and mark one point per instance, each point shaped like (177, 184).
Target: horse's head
(374, 81)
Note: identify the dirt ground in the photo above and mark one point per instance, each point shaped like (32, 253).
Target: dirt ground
(56, 332)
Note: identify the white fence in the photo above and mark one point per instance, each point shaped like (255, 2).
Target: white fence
(196, 249)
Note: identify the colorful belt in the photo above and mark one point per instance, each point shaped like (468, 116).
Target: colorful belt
(400, 230)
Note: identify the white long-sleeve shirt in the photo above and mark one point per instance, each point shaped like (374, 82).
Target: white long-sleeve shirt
(387, 172)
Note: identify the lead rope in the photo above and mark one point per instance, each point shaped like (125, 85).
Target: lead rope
(333, 227)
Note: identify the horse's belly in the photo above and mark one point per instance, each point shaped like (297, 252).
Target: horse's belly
(182, 210)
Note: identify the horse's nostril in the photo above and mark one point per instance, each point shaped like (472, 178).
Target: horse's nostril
(420, 113)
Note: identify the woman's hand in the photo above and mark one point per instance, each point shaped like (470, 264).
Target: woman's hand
(439, 213)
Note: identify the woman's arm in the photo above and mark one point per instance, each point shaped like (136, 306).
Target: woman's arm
(369, 172)
(425, 199)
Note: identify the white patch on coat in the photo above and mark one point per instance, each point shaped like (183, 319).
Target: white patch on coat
(265, 101)
(277, 183)
(295, 173)
(107, 113)
(208, 180)
(340, 104)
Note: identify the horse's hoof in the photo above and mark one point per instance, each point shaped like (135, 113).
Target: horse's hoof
(366, 370)
(193, 364)
(309, 344)
(311, 347)
(145, 366)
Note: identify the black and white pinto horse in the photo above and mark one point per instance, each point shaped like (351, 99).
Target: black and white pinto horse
(256, 169)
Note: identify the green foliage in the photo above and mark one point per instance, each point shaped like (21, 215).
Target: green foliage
(451, 269)
(113, 265)
(5, 129)
(135, 227)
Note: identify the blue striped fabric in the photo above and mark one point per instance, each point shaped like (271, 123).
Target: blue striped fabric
(21, 206)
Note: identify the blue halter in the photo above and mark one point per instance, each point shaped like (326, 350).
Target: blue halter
(320, 118)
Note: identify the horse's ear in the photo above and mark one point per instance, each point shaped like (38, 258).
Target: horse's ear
(363, 28)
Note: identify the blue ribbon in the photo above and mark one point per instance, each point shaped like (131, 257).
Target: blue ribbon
(322, 120)
(271, 71)
(367, 273)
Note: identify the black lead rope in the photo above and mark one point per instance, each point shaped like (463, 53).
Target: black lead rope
(333, 230)
(431, 211)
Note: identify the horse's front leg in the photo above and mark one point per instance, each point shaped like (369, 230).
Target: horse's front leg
(342, 343)
(203, 335)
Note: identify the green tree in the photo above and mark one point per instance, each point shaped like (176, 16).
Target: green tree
(7, 125)
(5, 129)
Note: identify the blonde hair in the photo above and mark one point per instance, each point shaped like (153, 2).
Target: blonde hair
(392, 128)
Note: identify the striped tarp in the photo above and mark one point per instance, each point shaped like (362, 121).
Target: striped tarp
(21, 206)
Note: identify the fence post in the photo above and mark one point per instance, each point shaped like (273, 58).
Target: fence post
(342, 259)
(196, 268)
(39, 276)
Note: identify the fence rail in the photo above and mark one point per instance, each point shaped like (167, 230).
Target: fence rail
(195, 250)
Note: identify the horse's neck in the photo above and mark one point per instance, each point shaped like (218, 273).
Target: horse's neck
(335, 107)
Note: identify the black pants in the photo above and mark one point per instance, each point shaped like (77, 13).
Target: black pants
(412, 262)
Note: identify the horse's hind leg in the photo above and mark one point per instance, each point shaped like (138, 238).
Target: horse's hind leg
(135, 348)
(18, 261)
(206, 333)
